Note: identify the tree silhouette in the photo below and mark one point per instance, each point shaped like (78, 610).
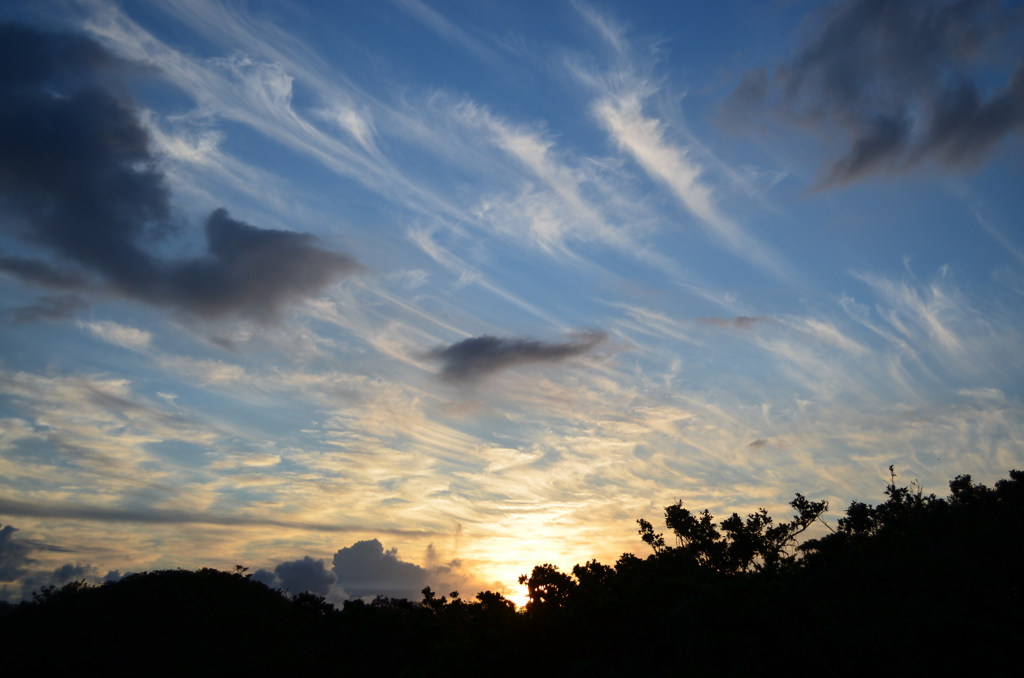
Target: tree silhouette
(917, 585)
(755, 544)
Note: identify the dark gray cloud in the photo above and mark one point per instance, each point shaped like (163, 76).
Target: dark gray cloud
(17, 565)
(476, 357)
(298, 576)
(266, 577)
(250, 270)
(61, 307)
(759, 443)
(222, 342)
(78, 177)
(38, 272)
(907, 81)
(366, 569)
(740, 322)
(14, 555)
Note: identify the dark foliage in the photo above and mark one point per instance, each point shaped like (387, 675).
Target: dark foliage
(918, 585)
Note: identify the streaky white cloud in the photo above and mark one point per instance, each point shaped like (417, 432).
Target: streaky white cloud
(199, 170)
(13, 429)
(423, 238)
(535, 153)
(97, 426)
(1007, 243)
(443, 27)
(359, 126)
(561, 201)
(256, 460)
(829, 333)
(258, 93)
(648, 321)
(622, 91)
(608, 29)
(120, 335)
(932, 310)
(982, 393)
(945, 327)
(672, 165)
(410, 279)
(346, 104)
(207, 372)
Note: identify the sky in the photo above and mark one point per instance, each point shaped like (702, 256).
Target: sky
(368, 296)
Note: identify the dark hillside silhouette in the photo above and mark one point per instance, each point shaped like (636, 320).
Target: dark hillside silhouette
(917, 585)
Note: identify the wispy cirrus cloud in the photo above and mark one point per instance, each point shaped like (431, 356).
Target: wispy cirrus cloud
(582, 220)
(664, 154)
(672, 164)
(559, 199)
(254, 87)
(444, 28)
(609, 30)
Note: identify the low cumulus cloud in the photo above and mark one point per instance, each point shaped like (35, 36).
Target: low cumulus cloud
(474, 358)
(78, 178)
(18, 568)
(366, 569)
(57, 577)
(299, 576)
(902, 79)
(115, 575)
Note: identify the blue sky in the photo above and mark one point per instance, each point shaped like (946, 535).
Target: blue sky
(486, 282)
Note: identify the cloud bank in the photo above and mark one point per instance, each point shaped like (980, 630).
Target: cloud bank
(78, 177)
(902, 79)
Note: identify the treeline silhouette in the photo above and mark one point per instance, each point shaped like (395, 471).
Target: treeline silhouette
(918, 585)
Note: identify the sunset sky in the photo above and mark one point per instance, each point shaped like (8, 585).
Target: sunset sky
(374, 294)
